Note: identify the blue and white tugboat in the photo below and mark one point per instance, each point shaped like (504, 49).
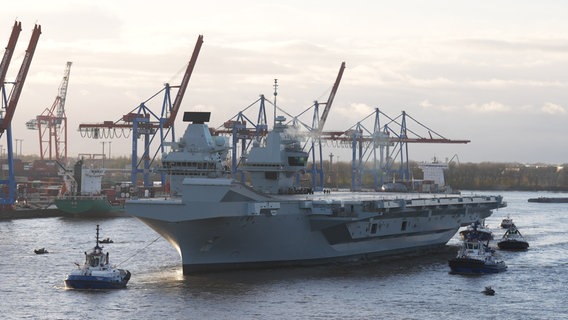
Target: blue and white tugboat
(475, 257)
(96, 272)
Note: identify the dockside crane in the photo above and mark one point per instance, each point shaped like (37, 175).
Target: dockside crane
(385, 145)
(52, 124)
(143, 122)
(244, 130)
(329, 102)
(10, 102)
(16, 29)
(317, 129)
(390, 141)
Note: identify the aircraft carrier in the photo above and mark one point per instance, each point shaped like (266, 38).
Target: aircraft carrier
(218, 223)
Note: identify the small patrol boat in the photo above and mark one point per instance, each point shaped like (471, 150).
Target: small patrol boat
(40, 251)
(96, 272)
(489, 291)
(106, 240)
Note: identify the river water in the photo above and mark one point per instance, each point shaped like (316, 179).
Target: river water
(533, 287)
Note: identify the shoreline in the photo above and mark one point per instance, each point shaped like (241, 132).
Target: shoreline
(29, 214)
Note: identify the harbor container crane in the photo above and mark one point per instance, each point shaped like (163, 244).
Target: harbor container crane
(52, 124)
(386, 146)
(329, 102)
(244, 130)
(10, 102)
(390, 141)
(143, 122)
(317, 128)
(16, 29)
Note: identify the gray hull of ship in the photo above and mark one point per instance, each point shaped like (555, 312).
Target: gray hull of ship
(226, 232)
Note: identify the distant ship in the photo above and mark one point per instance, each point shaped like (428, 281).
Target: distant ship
(218, 223)
(549, 199)
(82, 196)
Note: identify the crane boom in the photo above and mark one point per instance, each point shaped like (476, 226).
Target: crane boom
(9, 51)
(55, 114)
(20, 79)
(184, 82)
(63, 90)
(143, 123)
(331, 97)
(52, 123)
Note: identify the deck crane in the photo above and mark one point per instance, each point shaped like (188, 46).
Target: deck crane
(52, 124)
(10, 101)
(142, 122)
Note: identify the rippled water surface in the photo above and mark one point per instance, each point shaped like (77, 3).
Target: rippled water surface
(533, 287)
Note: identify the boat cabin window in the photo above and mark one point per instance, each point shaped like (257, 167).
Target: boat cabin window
(403, 227)
(297, 161)
(93, 260)
(472, 246)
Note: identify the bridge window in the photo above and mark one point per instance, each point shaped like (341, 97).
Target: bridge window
(297, 161)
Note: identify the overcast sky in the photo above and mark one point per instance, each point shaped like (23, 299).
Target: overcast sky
(493, 72)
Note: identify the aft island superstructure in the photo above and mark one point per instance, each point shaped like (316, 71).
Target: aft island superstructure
(218, 223)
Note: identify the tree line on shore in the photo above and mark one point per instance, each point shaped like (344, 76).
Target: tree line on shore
(507, 176)
(479, 176)
(465, 176)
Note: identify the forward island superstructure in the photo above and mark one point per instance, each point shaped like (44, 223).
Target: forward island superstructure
(218, 223)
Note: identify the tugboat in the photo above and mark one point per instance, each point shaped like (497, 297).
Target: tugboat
(506, 223)
(477, 230)
(475, 257)
(96, 272)
(513, 240)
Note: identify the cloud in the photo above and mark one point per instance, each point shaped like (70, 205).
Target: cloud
(427, 105)
(489, 107)
(553, 108)
(559, 45)
(504, 83)
(349, 115)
